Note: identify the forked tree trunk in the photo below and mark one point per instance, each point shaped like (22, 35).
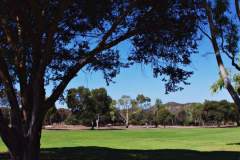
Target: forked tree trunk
(220, 63)
(24, 144)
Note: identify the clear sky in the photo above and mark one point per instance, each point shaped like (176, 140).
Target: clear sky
(139, 80)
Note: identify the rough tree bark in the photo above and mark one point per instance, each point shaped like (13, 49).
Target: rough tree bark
(25, 144)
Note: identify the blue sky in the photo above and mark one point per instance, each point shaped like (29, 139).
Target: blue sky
(139, 80)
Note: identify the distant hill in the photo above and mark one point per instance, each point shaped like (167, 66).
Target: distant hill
(176, 107)
(175, 104)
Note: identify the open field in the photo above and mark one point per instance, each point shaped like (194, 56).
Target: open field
(141, 144)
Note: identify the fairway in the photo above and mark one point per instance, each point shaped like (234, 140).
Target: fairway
(169, 143)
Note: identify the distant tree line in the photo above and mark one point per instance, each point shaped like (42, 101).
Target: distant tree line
(96, 108)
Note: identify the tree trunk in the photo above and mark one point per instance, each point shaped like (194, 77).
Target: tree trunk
(25, 144)
(29, 148)
(237, 119)
(238, 124)
(221, 67)
(127, 118)
(92, 127)
(97, 121)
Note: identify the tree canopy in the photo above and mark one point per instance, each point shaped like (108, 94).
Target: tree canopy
(89, 104)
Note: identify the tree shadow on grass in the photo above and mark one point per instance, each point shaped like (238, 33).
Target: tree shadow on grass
(233, 144)
(101, 153)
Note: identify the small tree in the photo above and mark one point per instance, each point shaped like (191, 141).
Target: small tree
(89, 105)
(102, 103)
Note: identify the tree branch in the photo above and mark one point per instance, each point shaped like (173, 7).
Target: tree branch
(220, 63)
(7, 32)
(237, 8)
(75, 69)
(63, 84)
(232, 58)
(114, 26)
(205, 33)
(100, 47)
(20, 56)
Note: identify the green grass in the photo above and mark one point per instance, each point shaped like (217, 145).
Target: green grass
(144, 144)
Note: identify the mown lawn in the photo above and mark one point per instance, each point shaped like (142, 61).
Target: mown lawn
(144, 144)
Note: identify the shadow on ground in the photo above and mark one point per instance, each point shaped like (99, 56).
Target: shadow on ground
(101, 153)
(233, 144)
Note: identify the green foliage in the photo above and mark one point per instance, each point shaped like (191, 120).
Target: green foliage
(50, 116)
(226, 28)
(158, 103)
(219, 112)
(183, 117)
(164, 117)
(217, 86)
(88, 105)
(78, 99)
(72, 120)
(143, 101)
(55, 115)
(197, 113)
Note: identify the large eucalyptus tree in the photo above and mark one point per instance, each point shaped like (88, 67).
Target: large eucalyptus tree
(45, 43)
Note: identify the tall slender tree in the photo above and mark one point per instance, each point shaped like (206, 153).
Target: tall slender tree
(125, 104)
(224, 38)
